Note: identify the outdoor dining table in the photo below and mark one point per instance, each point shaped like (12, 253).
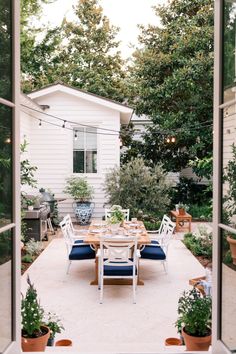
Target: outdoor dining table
(97, 229)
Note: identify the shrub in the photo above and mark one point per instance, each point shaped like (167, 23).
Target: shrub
(136, 186)
(33, 248)
(200, 242)
(27, 258)
(151, 226)
(79, 189)
(201, 212)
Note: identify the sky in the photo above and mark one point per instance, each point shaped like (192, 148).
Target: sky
(125, 14)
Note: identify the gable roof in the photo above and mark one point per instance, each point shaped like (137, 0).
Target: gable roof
(125, 111)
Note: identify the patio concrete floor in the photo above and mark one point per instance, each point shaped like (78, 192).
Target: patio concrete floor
(117, 325)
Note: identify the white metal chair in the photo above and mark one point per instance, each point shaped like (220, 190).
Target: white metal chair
(76, 234)
(108, 214)
(118, 258)
(158, 248)
(76, 248)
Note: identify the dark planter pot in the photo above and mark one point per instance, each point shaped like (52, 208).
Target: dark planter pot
(83, 212)
(196, 343)
(50, 342)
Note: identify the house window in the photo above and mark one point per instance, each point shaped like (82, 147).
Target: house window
(85, 150)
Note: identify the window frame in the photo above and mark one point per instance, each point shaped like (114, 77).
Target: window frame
(15, 346)
(85, 150)
(217, 344)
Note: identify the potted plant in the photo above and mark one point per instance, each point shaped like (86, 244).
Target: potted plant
(53, 322)
(80, 190)
(231, 239)
(34, 334)
(116, 218)
(182, 208)
(30, 203)
(195, 320)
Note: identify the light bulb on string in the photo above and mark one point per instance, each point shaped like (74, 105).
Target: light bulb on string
(40, 123)
(168, 140)
(64, 124)
(76, 136)
(173, 140)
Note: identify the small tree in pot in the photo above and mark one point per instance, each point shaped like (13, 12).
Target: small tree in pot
(195, 320)
(34, 333)
(80, 190)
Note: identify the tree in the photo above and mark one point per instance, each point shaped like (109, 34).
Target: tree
(173, 76)
(139, 188)
(82, 53)
(92, 55)
(40, 58)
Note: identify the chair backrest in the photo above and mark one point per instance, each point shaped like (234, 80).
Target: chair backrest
(167, 233)
(118, 251)
(108, 214)
(67, 233)
(68, 221)
(165, 220)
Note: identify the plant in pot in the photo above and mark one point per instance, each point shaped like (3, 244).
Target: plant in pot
(30, 203)
(53, 322)
(181, 208)
(194, 319)
(34, 333)
(80, 190)
(116, 218)
(231, 239)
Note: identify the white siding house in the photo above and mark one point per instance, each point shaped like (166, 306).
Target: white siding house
(95, 120)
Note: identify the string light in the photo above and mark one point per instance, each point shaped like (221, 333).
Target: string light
(173, 140)
(8, 141)
(75, 136)
(64, 124)
(40, 123)
(168, 140)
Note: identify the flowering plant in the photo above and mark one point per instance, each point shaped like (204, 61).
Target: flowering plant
(53, 322)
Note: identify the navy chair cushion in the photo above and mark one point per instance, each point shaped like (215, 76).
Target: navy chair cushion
(109, 270)
(79, 241)
(154, 242)
(81, 252)
(153, 252)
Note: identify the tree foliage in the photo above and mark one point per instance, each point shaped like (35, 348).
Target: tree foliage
(173, 78)
(82, 53)
(138, 187)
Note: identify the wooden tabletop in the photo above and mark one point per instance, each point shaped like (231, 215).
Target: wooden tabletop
(94, 235)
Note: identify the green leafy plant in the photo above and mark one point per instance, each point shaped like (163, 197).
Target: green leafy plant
(30, 201)
(138, 187)
(31, 313)
(53, 322)
(33, 248)
(117, 215)
(27, 258)
(194, 312)
(181, 205)
(230, 178)
(79, 189)
(200, 242)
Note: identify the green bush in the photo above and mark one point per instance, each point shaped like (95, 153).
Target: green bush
(151, 226)
(138, 187)
(27, 258)
(200, 242)
(201, 212)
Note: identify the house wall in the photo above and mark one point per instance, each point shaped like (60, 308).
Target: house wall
(51, 148)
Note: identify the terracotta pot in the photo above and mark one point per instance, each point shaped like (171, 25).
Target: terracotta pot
(196, 343)
(36, 344)
(232, 245)
(173, 341)
(181, 211)
(64, 343)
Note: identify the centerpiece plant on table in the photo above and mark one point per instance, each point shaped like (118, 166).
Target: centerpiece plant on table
(195, 320)
(116, 217)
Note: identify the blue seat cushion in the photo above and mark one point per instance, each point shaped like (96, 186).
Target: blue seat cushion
(79, 241)
(123, 271)
(154, 242)
(153, 252)
(81, 252)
